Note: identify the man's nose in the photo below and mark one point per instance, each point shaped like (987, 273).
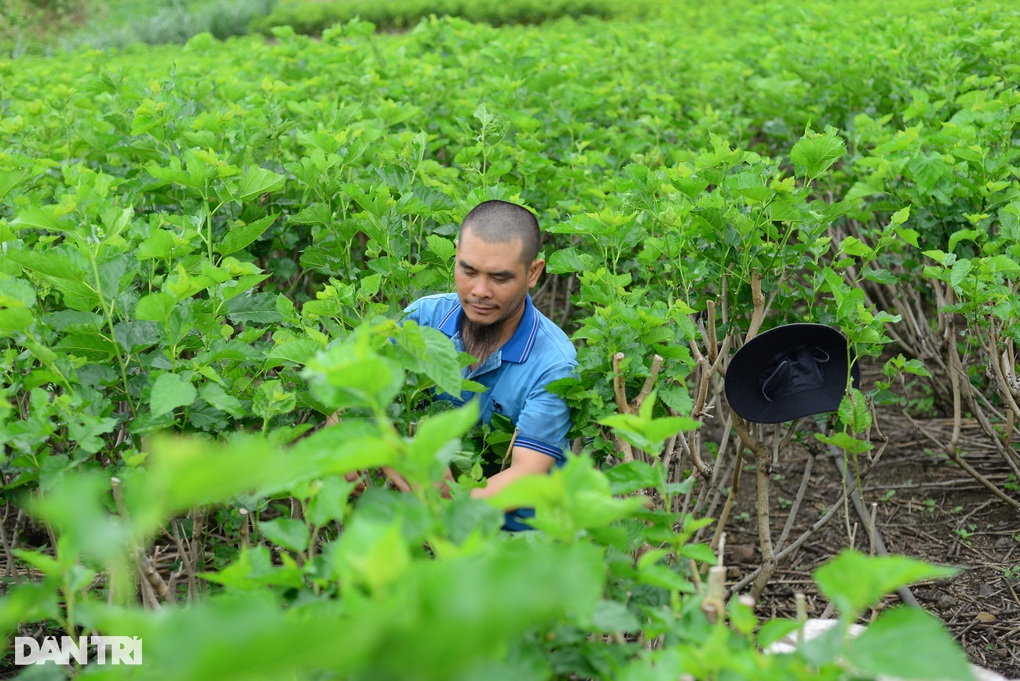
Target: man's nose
(480, 288)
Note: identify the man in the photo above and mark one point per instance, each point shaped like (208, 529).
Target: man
(518, 351)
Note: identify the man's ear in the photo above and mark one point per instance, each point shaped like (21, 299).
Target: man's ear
(535, 271)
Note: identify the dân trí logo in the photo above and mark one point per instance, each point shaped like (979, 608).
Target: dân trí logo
(107, 650)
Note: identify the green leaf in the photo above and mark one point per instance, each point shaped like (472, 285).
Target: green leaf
(272, 399)
(340, 449)
(441, 362)
(644, 431)
(16, 319)
(613, 617)
(435, 355)
(815, 152)
(901, 216)
(879, 651)
(927, 170)
(254, 570)
(941, 257)
(369, 286)
(176, 174)
(699, 552)
(216, 396)
(864, 188)
(352, 374)
(185, 472)
(41, 217)
(880, 276)
(854, 246)
(377, 554)
(52, 264)
(239, 237)
(916, 367)
(259, 308)
(853, 411)
(442, 247)
(298, 351)
(855, 582)
(74, 508)
(1000, 263)
(909, 235)
(40, 561)
(16, 292)
(846, 442)
(568, 260)
(631, 476)
(86, 429)
(258, 181)
(330, 500)
(315, 214)
(169, 392)
(286, 532)
(964, 235)
(959, 272)
(90, 345)
(155, 307)
(435, 434)
(157, 246)
(9, 179)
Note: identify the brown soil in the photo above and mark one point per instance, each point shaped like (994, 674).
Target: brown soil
(926, 507)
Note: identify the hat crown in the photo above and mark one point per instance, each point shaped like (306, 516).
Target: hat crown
(793, 371)
(790, 371)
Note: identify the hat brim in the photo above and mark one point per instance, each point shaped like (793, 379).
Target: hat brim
(742, 384)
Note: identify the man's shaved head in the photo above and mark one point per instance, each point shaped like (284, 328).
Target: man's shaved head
(502, 222)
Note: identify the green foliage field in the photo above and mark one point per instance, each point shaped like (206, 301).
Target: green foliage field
(216, 240)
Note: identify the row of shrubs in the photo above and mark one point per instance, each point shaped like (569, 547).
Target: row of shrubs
(176, 23)
(311, 18)
(27, 27)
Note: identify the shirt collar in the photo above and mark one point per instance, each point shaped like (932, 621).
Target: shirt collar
(518, 348)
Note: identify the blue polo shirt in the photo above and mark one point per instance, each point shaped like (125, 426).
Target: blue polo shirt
(515, 376)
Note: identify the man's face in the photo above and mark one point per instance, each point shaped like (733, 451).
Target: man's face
(492, 281)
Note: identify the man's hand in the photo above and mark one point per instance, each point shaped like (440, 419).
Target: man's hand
(356, 477)
(397, 479)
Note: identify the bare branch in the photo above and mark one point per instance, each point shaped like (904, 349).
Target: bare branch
(646, 389)
(758, 314)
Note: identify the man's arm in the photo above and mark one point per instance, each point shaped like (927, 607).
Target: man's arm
(523, 462)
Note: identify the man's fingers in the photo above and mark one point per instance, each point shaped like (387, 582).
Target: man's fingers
(356, 477)
(397, 479)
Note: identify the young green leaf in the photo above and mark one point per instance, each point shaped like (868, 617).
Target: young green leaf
(855, 582)
(240, 237)
(815, 152)
(169, 392)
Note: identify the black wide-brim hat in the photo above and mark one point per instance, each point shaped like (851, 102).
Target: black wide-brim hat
(790, 371)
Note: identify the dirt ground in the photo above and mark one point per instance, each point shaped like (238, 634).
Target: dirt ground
(926, 507)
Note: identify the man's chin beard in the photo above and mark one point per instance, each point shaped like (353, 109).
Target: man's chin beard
(480, 339)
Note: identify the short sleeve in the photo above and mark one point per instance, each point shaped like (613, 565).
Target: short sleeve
(544, 420)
